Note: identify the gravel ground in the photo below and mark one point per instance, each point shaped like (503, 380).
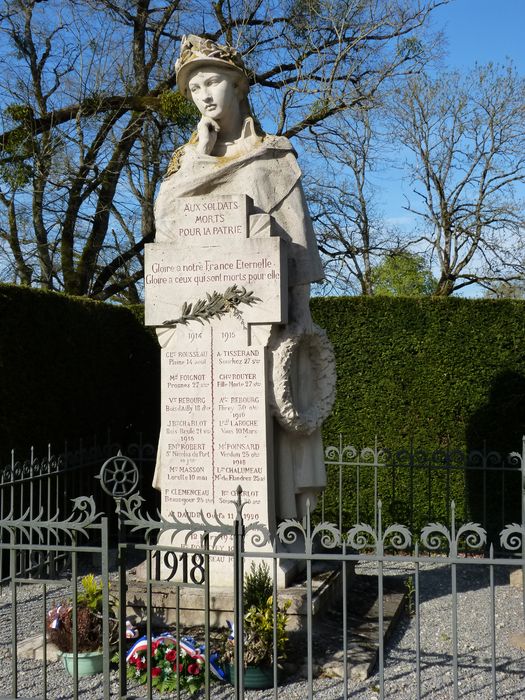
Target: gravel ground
(437, 683)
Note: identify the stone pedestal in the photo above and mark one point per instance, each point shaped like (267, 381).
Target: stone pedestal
(189, 607)
(216, 429)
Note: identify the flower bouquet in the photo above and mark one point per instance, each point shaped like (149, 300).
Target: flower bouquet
(174, 664)
(89, 619)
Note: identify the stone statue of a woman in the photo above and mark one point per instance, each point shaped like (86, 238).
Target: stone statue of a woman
(229, 154)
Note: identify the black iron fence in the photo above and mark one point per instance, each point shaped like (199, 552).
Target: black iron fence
(43, 486)
(157, 575)
(416, 486)
(454, 551)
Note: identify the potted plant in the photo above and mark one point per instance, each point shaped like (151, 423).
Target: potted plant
(259, 630)
(89, 611)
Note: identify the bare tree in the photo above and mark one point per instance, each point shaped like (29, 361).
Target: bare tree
(466, 137)
(352, 235)
(90, 112)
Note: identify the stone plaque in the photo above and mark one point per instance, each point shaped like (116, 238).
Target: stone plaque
(202, 220)
(175, 274)
(215, 425)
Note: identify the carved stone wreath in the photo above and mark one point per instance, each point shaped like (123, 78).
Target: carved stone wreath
(284, 348)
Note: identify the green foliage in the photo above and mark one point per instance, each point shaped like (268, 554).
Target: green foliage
(302, 15)
(89, 613)
(17, 147)
(258, 633)
(257, 585)
(71, 368)
(259, 620)
(438, 373)
(19, 112)
(92, 593)
(16, 173)
(410, 47)
(175, 107)
(403, 274)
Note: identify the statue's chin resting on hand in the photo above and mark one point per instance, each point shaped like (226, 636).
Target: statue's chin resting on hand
(229, 154)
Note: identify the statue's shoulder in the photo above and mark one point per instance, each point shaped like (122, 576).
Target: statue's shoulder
(279, 143)
(174, 163)
(178, 154)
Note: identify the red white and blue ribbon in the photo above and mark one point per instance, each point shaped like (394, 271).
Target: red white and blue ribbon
(186, 645)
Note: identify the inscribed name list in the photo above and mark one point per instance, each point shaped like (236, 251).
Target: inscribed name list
(215, 426)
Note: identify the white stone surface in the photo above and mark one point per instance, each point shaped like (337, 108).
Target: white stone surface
(198, 221)
(226, 192)
(216, 429)
(176, 274)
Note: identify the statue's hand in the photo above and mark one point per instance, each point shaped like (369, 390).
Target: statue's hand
(207, 130)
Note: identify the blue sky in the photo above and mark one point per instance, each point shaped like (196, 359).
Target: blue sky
(476, 31)
(483, 31)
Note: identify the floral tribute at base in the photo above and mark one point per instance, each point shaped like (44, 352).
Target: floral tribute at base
(174, 663)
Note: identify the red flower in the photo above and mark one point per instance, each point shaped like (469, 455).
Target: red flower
(141, 665)
(194, 669)
(171, 655)
(156, 671)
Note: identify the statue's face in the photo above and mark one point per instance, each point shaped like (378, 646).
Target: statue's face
(215, 93)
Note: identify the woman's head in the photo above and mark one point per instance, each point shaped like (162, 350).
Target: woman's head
(198, 53)
(217, 92)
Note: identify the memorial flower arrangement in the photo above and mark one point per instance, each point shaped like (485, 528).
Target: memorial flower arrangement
(259, 621)
(89, 609)
(173, 664)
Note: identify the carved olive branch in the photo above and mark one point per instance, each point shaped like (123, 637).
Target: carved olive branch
(214, 306)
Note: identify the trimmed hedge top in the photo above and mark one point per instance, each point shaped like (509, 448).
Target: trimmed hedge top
(71, 367)
(440, 372)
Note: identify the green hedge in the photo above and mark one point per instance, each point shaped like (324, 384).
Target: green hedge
(446, 373)
(70, 367)
(443, 373)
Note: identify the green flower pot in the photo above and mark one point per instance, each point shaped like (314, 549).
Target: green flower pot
(89, 662)
(255, 677)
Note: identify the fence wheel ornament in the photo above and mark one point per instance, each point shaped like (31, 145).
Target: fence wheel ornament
(119, 476)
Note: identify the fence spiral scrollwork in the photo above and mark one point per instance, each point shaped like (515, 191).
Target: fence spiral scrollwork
(129, 509)
(435, 535)
(512, 537)
(289, 530)
(362, 536)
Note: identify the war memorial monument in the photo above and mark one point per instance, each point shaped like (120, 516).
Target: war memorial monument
(247, 378)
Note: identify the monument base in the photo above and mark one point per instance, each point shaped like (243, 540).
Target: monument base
(190, 609)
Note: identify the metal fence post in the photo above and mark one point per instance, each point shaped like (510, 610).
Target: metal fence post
(238, 613)
(122, 593)
(106, 605)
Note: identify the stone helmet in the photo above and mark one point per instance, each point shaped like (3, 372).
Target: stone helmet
(196, 51)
